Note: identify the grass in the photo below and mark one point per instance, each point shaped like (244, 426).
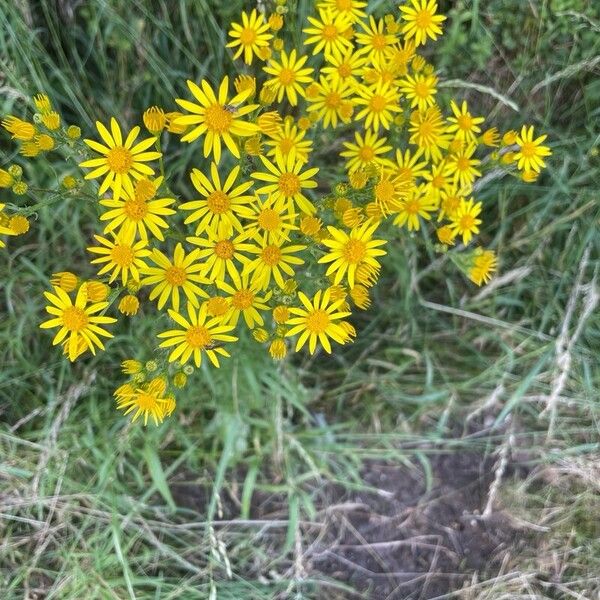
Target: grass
(229, 499)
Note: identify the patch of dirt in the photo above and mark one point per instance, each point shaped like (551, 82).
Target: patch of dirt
(400, 539)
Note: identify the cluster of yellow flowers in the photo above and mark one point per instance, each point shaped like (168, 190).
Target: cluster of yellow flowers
(265, 244)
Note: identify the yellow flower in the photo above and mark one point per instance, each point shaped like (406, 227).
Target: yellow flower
(244, 300)
(129, 305)
(243, 83)
(172, 125)
(491, 137)
(374, 39)
(463, 124)
(348, 251)
(6, 179)
(131, 366)
(272, 261)
(269, 219)
(450, 198)
(122, 162)
(428, 132)
(78, 322)
(328, 33)
(220, 202)
(73, 132)
(137, 212)
(217, 306)
(420, 90)
(278, 349)
(344, 67)
(287, 76)
(530, 156)
(408, 166)
(352, 9)
(42, 103)
(51, 120)
(147, 400)
(445, 235)
(366, 150)
(310, 225)
(154, 119)
(285, 179)
(44, 142)
(289, 141)
(269, 122)
(18, 224)
(421, 21)
(196, 337)
(281, 314)
(65, 280)
(360, 297)
(122, 255)
(465, 222)
(221, 252)
(216, 117)
(462, 167)
(510, 138)
(330, 102)
(170, 276)
(483, 266)
(316, 321)
(275, 22)
(419, 204)
(390, 190)
(251, 35)
(96, 291)
(380, 102)
(20, 130)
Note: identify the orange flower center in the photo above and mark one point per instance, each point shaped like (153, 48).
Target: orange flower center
(354, 250)
(345, 70)
(218, 202)
(286, 144)
(422, 90)
(333, 100)
(198, 336)
(122, 255)
(439, 181)
(242, 299)
(119, 159)
(289, 184)
(344, 4)
(379, 41)
(146, 401)
(175, 276)
(248, 36)
(465, 122)
(217, 118)
(423, 19)
(528, 150)
(366, 154)
(287, 76)
(385, 191)
(330, 33)
(74, 318)
(466, 222)
(463, 164)
(412, 207)
(378, 103)
(224, 249)
(317, 321)
(269, 219)
(136, 210)
(271, 255)
(144, 190)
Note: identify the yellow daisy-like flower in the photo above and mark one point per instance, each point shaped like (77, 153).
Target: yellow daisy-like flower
(352, 9)
(407, 165)
(316, 321)
(138, 212)
(20, 130)
(328, 33)
(198, 335)
(147, 400)
(221, 252)
(380, 102)
(272, 262)
(287, 76)
(349, 250)
(464, 222)
(289, 141)
(285, 179)
(390, 189)
(436, 180)
(374, 39)
(483, 266)
(419, 205)
(244, 300)
(216, 117)
(122, 162)
(79, 322)
(251, 35)
(428, 132)
(344, 67)
(464, 125)
(462, 167)
(450, 200)
(121, 256)
(220, 203)
(170, 276)
(367, 150)
(420, 90)
(269, 220)
(422, 21)
(530, 156)
(331, 102)
(400, 56)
